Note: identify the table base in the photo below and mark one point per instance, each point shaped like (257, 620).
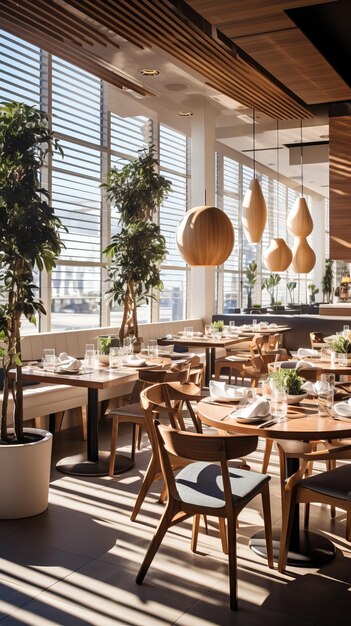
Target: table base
(312, 550)
(78, 465)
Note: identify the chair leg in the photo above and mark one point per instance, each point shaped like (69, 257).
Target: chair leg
(266, 506)
(163, 526)
(232, 567)
(267, 455)
(163, 495)
(223, 534)
(114, 435)
(195, 532)
(138, 436)
(348, 526)
(152, 471)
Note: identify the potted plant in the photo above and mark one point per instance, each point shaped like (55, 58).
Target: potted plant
(138, 249)
(327, 281)
(342, 345)
(291, 286)
(251, 277)
(313, 292)
(270, 284)
(29, 239)
(290, 380)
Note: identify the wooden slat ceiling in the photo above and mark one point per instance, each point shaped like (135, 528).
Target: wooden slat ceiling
(77, 25)
(264, 31)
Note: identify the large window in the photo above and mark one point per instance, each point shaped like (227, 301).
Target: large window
(92, 141)
(233, 180)
(174, 166)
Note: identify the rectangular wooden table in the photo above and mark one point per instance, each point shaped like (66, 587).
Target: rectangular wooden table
(93, 464)
(208, 343)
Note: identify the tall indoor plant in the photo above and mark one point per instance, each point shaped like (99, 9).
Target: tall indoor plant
(138, 249)
(327, 281)
(251, 277)
(29, 239)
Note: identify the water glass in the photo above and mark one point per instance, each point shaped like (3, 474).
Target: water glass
(325, 400)
(345, 330)
(328, 379)
(152, 348)
(89, 357)
(189, 331)
(208, 330)
(279, 403)
(232, 324)
(49, 359)
(341, 359)
(254, 324)
(128, 345)
(115, 358)
(325, 353)
(248, 398)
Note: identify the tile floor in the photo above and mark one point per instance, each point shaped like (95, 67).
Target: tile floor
(76, 563)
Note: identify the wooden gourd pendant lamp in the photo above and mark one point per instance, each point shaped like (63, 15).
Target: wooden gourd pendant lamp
(278, 256)
(254, 209)
(300, 224)
(205, 236)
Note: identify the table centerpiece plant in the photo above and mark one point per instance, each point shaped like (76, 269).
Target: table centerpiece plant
(290, 380)
(30, 241)
(341, 345)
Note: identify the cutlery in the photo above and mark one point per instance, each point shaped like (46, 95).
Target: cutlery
(267, 424)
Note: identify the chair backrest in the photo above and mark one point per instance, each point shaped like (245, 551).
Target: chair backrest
(152, 376)
(165, 399)
(317, 339)
(200, 447)
(256, 345)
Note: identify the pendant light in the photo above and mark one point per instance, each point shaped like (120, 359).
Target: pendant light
(304, 258)
(300, 222)
(278, 255)
(254, 210)
(205, 236)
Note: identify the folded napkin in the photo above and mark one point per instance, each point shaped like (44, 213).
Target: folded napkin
(308, 387)
(134, 359)
(343, 409)
(307, 352)
(197, 333)
(68, 364)
(305, 365)
(258, 408)
(296, 365)
(222, 392)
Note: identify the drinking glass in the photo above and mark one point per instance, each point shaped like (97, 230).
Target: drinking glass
(89, 357)
(345, 330)
(325, 400)
(328, 379)
(279, 402)
(49, 359)
(128, 345)
(208, 330)
(115, 358)
(248, 398)
(341, 359)
(254, 324)
(152, 348)
(188, 331)
(325, 353)
(232, 324)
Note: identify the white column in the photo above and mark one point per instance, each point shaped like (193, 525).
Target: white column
(202, 281)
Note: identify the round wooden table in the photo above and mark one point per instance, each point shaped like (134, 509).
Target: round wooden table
(301, 424)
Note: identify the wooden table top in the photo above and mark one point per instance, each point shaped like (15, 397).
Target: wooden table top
(204, 341)
(325, 366)
(97, 379)
(302, 422)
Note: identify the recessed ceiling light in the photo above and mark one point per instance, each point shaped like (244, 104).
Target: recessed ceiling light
(149, 72)
(185, 113)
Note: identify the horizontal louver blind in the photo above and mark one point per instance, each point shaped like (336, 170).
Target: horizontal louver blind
(19, 70)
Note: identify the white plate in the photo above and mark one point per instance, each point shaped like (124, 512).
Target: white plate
(250, 420)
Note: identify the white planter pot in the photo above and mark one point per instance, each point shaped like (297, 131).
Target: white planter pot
(25, 477)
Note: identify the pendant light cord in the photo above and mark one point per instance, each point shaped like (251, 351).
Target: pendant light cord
(254, 140)
(301, 158)
(277, 177)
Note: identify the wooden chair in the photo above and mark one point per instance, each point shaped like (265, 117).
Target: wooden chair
(133, 412)
(250, 371)
(164, 400)
(317, 340)
(207, 486)
(330, 487)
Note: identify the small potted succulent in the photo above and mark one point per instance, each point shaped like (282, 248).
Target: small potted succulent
(340, 346)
